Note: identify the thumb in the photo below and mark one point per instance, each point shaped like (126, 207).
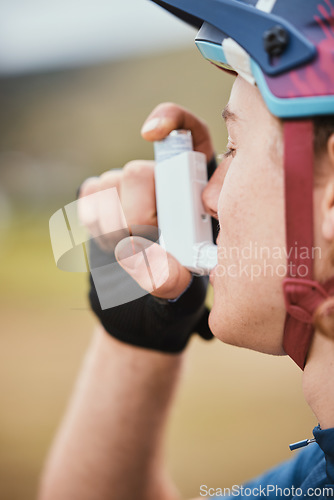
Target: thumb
(152, 267)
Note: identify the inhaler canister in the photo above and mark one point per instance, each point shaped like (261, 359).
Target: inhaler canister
(177, 142)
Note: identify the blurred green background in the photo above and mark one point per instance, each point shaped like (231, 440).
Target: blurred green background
(236, 411)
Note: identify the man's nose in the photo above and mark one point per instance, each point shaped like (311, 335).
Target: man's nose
(212, 190)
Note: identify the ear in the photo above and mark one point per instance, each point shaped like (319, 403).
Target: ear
(328, 199)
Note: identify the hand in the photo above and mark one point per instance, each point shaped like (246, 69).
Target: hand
(124, 206)
(135, 187)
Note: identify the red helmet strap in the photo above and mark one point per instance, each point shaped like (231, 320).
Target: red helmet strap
(302, 294)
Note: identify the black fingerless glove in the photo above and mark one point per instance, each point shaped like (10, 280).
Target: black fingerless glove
(157, 324)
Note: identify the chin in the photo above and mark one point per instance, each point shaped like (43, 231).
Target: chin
(242, 333)
(222, 330)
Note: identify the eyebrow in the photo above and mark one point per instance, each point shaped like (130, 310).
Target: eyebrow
(228, 115)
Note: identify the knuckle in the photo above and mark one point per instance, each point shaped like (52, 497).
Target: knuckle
(107, 176)
(89, 186)
(167, 106)
(137, 168)
(110, 179)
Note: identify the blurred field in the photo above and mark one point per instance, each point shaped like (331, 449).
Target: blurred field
(236, 411)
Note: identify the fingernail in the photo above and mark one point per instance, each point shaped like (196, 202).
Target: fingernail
(146, 261)
(151, 125)
(132, 263)
(158, 265)
(129, 252)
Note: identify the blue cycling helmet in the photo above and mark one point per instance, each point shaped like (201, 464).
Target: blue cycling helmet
(286, 49)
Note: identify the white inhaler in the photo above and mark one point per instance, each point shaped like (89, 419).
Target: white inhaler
(180, 177)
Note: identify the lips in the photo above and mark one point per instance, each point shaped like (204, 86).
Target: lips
(212, 275)
(213, 271)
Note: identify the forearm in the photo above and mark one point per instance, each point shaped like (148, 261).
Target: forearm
(109, 445)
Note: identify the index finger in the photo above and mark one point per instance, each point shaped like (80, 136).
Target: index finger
(167, 117)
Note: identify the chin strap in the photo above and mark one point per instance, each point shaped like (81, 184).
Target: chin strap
(302, 294)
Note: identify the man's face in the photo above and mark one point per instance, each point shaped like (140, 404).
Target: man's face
(248, 307)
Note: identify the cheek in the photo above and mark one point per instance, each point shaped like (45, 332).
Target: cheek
(252, 254)
(251, 206)
(235, 210)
